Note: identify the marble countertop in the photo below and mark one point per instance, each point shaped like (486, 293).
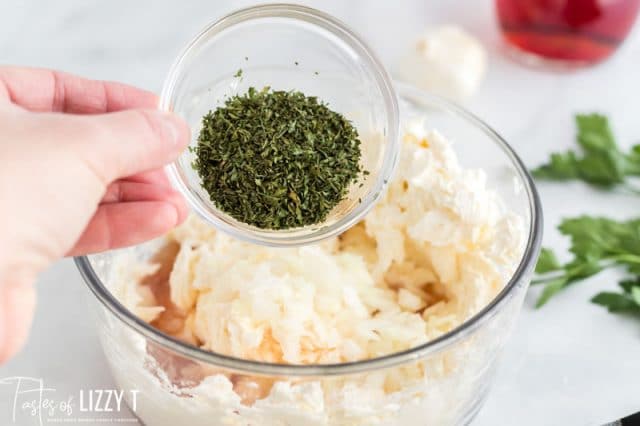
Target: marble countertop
(570, 363)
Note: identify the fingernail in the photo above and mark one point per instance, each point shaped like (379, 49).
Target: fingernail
(181, 207)
(176, 215)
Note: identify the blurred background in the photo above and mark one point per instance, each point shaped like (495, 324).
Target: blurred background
(567, 363)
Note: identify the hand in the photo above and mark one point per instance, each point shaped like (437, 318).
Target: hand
(80, 172)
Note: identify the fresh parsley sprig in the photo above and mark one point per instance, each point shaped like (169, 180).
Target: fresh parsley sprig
(601, 162)
(597, 243)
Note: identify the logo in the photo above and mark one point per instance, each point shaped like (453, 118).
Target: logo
(40, 404)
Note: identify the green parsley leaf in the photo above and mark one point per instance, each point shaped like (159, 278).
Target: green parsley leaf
(596, 237)
(627, 301)
(547, 261)
(551, 288)
(615, 302)
(596, 243)
(594, 133)
(601, 161)
(562, 166)
(635, 295)
(627, 285)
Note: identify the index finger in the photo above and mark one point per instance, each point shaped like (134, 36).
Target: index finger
(41, 90)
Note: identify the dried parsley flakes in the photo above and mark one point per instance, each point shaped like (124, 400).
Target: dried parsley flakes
(277, 159)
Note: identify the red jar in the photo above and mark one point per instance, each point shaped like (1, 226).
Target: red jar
(570, 32)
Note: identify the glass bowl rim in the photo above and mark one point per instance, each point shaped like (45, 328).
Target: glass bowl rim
(383, 82)
(468, 327)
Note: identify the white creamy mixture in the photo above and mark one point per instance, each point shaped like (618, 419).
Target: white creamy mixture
(434, 251)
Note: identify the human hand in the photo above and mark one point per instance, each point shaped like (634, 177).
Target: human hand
(80, 172)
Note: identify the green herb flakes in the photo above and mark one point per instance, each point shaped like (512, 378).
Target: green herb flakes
(277, 159)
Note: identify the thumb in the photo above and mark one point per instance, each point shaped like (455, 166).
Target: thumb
(124, 143)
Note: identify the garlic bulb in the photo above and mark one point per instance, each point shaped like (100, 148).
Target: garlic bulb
(446, 61)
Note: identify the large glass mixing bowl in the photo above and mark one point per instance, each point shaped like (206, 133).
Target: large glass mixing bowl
(182, 384)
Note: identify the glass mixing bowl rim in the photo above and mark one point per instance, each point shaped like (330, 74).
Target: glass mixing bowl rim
(524, 269)
(383, 82)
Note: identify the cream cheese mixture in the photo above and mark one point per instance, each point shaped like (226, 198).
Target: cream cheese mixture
(434, 251)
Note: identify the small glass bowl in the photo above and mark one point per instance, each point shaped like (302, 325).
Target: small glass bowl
(286, 47)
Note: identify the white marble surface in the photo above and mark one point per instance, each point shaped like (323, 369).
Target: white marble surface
(568, 364)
